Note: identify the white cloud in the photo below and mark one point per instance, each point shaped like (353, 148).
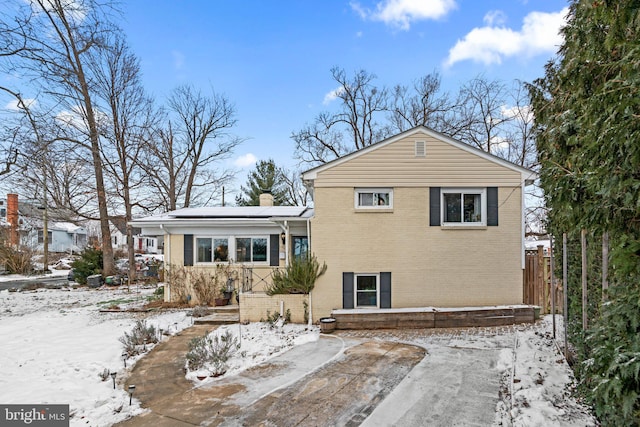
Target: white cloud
(495, 17)
(524, 113)
(332, 95)
(401, 13)
(245, 160)
(178, 59)
(540, 33)
(13, 104)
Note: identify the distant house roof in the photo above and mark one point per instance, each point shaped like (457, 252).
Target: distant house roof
(120, 223)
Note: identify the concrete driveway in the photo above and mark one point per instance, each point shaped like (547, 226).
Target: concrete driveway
(334, 381)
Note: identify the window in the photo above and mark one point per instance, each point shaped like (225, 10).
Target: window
(210, 249)
(366, 290)
(41, 236)
(374, 198)
(464, 206)
(251, 249)
(300, 247)
(203, 249)
(221, 250)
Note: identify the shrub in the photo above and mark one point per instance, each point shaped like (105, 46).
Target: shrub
(16, 260)
(90, 263)
(200, 311)
(211, 351)
(141, 335)
(299, 277)
(611, 376)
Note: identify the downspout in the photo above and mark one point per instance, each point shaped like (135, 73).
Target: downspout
(167, 254)
(309, 251)
(522, 225)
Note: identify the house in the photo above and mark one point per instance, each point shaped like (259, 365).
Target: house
(418, 220)
(25, 222)
(252, 239)
(415, 220)
(141, 244)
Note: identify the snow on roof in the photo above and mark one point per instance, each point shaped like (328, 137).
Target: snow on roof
(239, 212)
(66, 226)
(230, 212)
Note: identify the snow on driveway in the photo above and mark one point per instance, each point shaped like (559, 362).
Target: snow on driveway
(451, 386)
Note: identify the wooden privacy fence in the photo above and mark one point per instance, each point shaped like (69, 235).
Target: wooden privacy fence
(537, 281)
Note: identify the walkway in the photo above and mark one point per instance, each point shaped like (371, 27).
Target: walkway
(329, 382)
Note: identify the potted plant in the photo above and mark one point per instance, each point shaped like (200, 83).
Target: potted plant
(222, 296)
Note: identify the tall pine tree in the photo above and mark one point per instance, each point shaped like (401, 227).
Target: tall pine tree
(266, 177)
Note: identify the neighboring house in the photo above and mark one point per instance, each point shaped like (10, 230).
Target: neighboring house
(63, 236)
(416, 220)
(141, 244)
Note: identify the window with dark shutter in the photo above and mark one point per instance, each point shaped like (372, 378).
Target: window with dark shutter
(188, 249)
(347, 290)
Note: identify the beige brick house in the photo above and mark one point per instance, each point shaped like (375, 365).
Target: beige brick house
(418, 220)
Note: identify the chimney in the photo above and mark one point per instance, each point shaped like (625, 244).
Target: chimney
(12, 218)
(266, 198)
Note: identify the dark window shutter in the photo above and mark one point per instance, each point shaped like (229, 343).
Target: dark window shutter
(385, 290)
(274, 250)
(188, 249)
(492, 206)
(434, 206)
(347, 290)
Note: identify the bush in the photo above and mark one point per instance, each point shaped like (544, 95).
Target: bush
(611, 377)
(16, 260)
(211, 351)
(141, 335)
(90, 263)
(299, 277)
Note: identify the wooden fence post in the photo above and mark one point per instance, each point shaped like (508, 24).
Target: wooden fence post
(565, 309)
(540, 285)
(583, 245)
(605, 264)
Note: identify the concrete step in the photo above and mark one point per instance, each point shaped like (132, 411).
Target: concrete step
(218, 319)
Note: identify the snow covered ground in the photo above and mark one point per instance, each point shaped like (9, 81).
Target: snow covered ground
(55, 343)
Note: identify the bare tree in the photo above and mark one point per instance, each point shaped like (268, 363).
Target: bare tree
(297, 193)
(128, 119)
(423, 104)
(180, 159)
(356, 125)
(480, 109)
(59, 38)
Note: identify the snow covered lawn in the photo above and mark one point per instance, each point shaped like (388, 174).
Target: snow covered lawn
(55, 343)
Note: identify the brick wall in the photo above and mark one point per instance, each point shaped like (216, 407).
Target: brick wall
(254, 306)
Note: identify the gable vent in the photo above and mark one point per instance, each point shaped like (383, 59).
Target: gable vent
(420, 149)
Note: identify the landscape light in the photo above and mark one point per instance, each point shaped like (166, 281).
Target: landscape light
(113, 377)
(124, 359)
(131, 390)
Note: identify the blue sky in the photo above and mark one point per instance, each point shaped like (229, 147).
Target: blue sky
(272, 59)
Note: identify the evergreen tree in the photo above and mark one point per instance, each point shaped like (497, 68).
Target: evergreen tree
(587, 113)
(266, 177)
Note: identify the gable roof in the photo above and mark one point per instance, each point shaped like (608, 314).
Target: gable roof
(528, 176)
